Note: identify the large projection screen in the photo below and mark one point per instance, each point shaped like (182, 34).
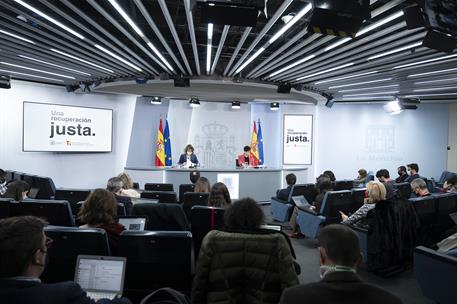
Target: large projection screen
(62, 128)
(298, 140)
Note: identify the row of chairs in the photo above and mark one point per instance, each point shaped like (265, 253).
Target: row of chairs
(45, 187)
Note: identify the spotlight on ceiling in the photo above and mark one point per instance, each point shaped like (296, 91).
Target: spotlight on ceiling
(5, 82)
(236, 104)
(274, 106)
(330, 102)
(156, 100)
(194, 102)
(393, 107)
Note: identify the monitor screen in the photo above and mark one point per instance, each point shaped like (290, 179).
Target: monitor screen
(62, 128)
(100, 275)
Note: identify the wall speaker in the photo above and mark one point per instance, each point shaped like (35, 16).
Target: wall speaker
(284, 88)
(5, 82)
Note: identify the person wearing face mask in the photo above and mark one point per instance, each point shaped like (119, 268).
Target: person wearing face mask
(402, 175)
(188, 159)
(17, 190)
(413, 170)
(23, 255)
(340, 256)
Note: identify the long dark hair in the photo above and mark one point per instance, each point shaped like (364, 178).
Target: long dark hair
(100, 208)
(245, 214)
(15, 189)
(219, 196)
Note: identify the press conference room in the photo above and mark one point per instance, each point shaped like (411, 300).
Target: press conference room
(228, 151)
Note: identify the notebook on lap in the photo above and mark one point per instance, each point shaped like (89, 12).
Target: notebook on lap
(101, 277)
(301, 201)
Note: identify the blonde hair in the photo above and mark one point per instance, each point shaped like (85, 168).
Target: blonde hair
(376, 192)
(126, 180)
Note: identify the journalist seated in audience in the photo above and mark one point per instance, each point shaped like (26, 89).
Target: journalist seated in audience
(99, 210)
(202, 185)
(283, 194)
(419, 187)
(17, 190)
(243, 264)
(384, 177)
(362, 177)
(339, 254)
(376, 192)
(194, 176)
(127, 186)
(115, 186)
(402, 175)
(2, 182)
(23, 256)
(219, 196)
(413, 170)
(330, 175)
(450, 185)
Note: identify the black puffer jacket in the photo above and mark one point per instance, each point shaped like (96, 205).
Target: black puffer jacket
(239, 268)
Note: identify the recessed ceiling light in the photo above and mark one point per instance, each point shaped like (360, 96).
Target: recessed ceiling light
(36, 70)
(36, 11)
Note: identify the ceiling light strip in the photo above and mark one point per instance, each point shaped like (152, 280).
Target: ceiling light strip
(16, 36)
(435, 81)
(346, 77)
(435, 89)
(326, 71)
(411, 46)
(219, 48)
(379, 23)
(118, 57)
(38, 12)
(369, 88)
(82, 60)
(289, 24)
(368, 97)
(371, 93)
(30, 75)
(429, 95)
(292, 65)
(432, 73)
(256, 54)
(336, 44)
(126, 18)
(36, 70)
(56, 65)
(209, 47)
(359, 83)
(424, 61)
(193, 39)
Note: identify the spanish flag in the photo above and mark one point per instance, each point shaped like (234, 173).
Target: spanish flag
(254, 144)
(160, 149)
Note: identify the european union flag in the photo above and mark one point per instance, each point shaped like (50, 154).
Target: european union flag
(260, 144)
(166, 136)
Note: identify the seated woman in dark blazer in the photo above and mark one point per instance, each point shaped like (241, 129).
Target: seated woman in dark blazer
(188, 158)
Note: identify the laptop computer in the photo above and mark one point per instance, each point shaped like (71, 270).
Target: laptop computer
(272, 227)
(33, 192)
(301, 201)
(133, 223)
(454, 217)
(101, 277)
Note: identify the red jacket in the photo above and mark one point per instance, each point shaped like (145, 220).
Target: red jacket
(253, 162)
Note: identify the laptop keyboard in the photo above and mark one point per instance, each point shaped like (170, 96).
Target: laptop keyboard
(101, 295)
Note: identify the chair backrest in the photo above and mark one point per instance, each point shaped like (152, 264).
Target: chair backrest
(30, 180)
(335, 201)
(18, 175)
(46, 186)
(183, 188)
(191, 199)
(343, 185)
(158, 187)
(307, 190)
(403, 190)
(436, 274)
(72, 195)
(67, 244)
(358, 197)
(136, 185)
(445, 204)
(161, 196)
(56, 213)
(168, 217)
(156, 259)
(425, 209)
(5, 207)
(203, 219)
(9, 175)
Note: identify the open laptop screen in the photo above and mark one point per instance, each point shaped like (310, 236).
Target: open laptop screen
(133, 223)
(100, 274)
